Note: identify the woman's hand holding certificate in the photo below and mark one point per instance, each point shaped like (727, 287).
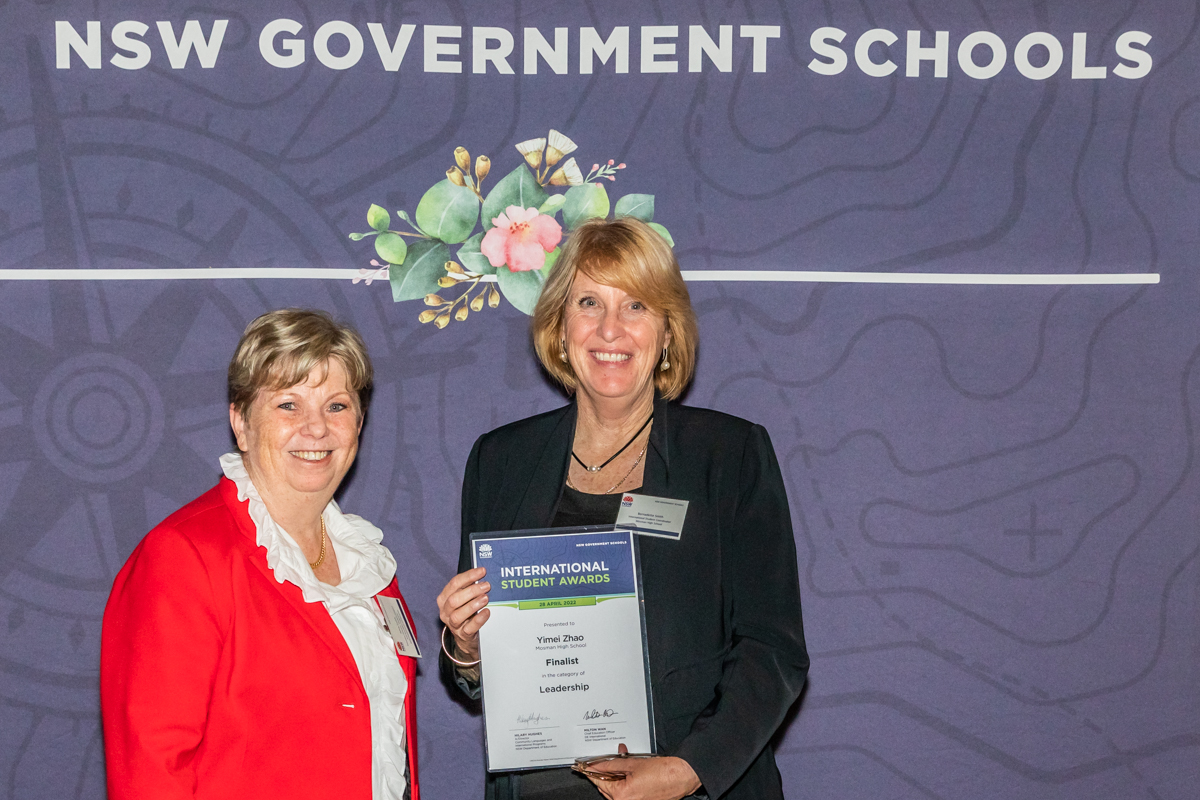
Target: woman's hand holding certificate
(564, 659)
(638, 776)
(462, 606)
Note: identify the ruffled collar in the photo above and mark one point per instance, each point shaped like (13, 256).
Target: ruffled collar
(367, 566)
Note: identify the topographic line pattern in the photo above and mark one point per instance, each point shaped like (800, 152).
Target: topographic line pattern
(993, 487)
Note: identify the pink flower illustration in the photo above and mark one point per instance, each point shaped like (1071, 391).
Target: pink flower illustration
(521, 239)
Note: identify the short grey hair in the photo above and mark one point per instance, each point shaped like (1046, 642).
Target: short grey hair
(280, 348)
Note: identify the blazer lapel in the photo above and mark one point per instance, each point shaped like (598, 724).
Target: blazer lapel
(314, 614)
(656, 472)
(543, 486)
(317, 617)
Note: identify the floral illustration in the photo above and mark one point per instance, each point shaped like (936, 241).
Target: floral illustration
(521, 234)
(520, 239)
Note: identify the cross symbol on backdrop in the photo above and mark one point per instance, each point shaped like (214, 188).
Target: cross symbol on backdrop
(1033, 532)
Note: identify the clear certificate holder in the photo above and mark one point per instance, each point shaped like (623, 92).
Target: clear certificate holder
(565, 669)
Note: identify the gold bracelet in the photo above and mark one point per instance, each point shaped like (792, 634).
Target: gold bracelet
(584, 765)
(452, 658)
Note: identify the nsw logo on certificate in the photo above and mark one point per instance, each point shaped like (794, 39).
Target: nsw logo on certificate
(564, 664)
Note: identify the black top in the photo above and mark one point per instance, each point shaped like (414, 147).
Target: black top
(723, 628)
(575, 508)
(580, 508)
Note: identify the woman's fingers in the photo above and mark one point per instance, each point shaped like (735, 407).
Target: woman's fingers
(466, 636)
(464, 579)
(466, 612)
(462, 608)
(464, 604)
(471, 627)
(459, 582)
(464, 589)
(606, 788)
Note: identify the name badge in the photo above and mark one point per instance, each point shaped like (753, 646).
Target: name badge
(398, 627)
(652, 516)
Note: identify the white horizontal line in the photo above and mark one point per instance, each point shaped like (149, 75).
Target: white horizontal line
(214, 273)
(732, 275)
(975, 278)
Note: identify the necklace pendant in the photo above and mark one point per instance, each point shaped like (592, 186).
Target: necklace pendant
(611, 458)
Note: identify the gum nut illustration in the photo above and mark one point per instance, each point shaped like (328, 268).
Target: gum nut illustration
(567, 175)
(462, 158)
(532, 151)
(559, 146)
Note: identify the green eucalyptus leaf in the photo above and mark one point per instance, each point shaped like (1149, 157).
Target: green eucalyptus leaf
(473, 260)
(553, 203)
(426, 263)
(522, 289)
(378, 218)
(663, 232)
(638, 206)
(391, 247)
(448, 212)
(517, 188)
(589, 201)
(396, 275)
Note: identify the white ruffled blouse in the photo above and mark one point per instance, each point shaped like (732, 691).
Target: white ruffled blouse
(367, 568)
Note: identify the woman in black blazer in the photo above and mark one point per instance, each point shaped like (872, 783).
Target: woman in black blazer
(726, 644)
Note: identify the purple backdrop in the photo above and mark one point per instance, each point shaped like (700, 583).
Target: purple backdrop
(993, 487)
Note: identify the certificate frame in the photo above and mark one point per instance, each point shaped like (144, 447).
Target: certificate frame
(550, 730)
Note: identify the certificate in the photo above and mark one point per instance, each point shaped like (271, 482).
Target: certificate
(564, 666)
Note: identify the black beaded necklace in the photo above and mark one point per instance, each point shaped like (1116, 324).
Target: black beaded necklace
(614, 455)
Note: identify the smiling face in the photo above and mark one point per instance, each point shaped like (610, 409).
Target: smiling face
(298, 442)
(613, 341)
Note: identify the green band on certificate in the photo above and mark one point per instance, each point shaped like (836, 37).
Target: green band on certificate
(557, 602)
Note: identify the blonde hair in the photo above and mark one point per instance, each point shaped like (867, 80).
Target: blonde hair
(280, 349)
(630, 255)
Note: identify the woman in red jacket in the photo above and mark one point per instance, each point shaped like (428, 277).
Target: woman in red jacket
(245, 650)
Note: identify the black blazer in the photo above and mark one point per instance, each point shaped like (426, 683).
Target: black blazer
(726, 641)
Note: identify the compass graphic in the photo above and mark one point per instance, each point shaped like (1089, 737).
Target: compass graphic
(114, 409)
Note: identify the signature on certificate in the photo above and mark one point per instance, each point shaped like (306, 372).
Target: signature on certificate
(596, 713)
(532, 718)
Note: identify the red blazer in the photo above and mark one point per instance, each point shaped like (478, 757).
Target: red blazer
(217, 681)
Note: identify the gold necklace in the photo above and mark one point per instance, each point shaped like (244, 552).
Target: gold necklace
(636, 461)
(321, 558)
